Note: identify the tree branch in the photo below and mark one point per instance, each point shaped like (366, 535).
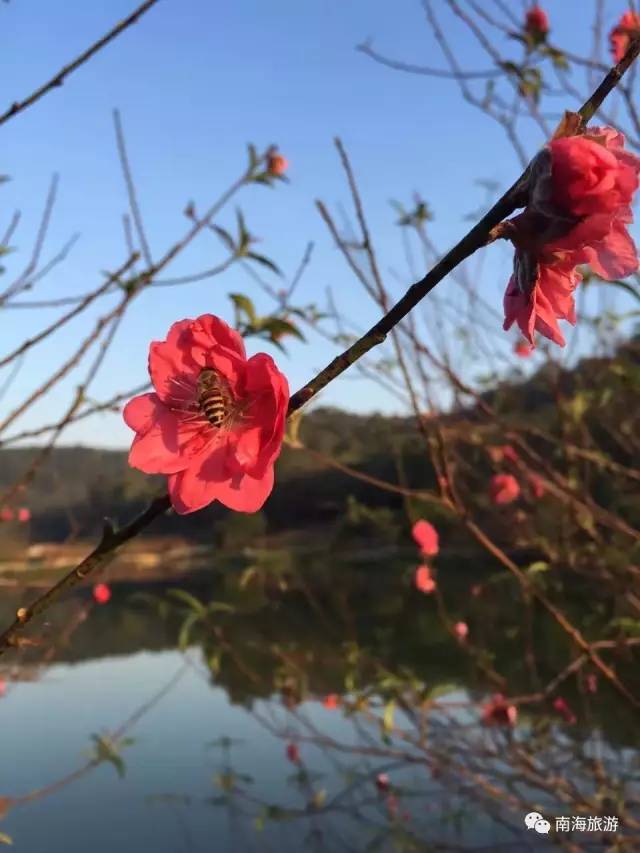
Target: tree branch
(58, 79)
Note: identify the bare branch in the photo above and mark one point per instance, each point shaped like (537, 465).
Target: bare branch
(58, 79)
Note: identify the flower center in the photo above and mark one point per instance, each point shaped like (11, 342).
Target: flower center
(215, 399)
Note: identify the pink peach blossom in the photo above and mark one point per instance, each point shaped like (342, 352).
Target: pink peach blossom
(620, 35)
(101, 593)
(579, 206)
(423, 580)
(426, 537)
(561, 707)
(277, 164)
(24, 514)
(523, 349)
(331, 701)
(293, 753)
(536, 21)
(504, 489)
(382, 782)
(6, 514)
(498, 711)
(461, 630)
(215, 422)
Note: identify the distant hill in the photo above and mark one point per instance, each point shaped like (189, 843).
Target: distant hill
(80, 485)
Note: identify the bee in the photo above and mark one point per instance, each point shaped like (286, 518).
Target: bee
(214, 398)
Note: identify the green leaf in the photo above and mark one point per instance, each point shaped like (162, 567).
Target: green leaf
(265, 262)
(278, 328)
(627, 625)
(387, 717)
(226, 238)
(441, 690)
(185, 630)
(244, 306)
(191, 601)
(6, 839)
(220, 607)
(253, 157)
(539, 566)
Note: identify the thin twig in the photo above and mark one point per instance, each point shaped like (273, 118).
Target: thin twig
(58, 79)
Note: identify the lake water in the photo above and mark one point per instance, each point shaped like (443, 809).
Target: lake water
(232, 747)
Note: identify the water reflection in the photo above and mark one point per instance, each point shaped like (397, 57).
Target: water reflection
(116, 737)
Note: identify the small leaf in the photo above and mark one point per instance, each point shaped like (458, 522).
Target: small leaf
(387, 717)
(6, 839)
(226, 238)
(185, 630)
(265, 262)
(191, 601)
(244, 305)
(539, 566)
(278, 328)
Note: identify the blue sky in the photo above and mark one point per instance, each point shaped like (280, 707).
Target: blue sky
(195, 81)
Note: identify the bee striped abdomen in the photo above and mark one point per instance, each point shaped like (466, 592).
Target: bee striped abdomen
(213, 398)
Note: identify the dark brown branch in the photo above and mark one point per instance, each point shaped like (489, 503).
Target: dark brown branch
(58, 79)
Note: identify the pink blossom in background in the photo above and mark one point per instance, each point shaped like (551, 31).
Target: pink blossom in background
(536, 21)
(426, 537)
(499, 712)
(215, 422)
(620, 35)
(6, 514)
(523, 349)
(476, 590)
(24, 514)
(591, 682)
(561, 707)
(3, 687)
(461, 630)
(504, 489)
(277, 164)
(331, 701)
(293, 753)
(423, 580)
(382, 782)
(101, 593)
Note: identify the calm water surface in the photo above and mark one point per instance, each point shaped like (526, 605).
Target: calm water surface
(207, 766)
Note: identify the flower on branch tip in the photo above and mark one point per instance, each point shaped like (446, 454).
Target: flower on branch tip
(523, 349)
(215, 423)
(499, 712)
(383, 783)
(580, 194)
(504, 489)
(620, 36)
(101, 593)
(331, 701)
(426, 538)
(24, 514)
(277, 164)
(461, 630)
(561, 707)
(536, 21)
(423, 580)
(293, 753)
